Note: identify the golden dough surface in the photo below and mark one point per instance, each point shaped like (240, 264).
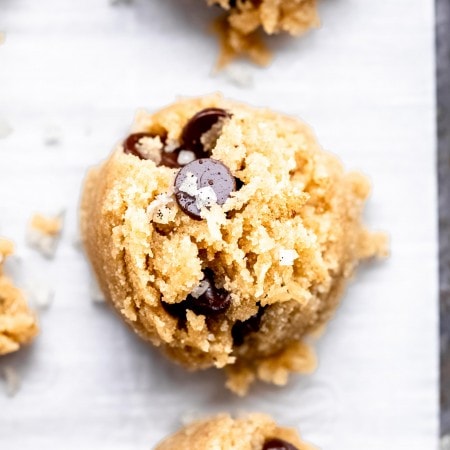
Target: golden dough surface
(222, 432)
(18, 325)
(283, 246)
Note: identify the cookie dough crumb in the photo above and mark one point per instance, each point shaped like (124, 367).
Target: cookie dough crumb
(18, 325)
(240, 30)
(12, 380)
(233, 44)
(44, 232)
(298, 357)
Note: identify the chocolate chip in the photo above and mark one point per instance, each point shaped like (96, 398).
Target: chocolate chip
(242, 328)
(130, 144)
(278, 444)
(177, 310)
(194, 179)
(198, 125)
(211, 302)
(169, 159)
(239, 184)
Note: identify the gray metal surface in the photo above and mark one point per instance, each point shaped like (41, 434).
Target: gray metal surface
(443, 79)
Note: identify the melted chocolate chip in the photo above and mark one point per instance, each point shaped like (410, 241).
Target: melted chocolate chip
(130, 144)
(198, 125)
(211, 302)
(241, 329)
(208, 173)
(278, 444)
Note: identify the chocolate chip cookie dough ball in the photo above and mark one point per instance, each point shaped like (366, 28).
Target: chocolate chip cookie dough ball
(224, 235)
(254, 432)
(245, 19)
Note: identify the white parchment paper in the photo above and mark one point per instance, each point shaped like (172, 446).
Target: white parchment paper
(72, 74)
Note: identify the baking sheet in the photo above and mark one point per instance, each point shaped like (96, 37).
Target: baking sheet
(365, 81)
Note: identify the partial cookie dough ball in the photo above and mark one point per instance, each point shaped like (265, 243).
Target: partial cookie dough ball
(239, 29)
(18, 325)
(254, 432)
(225, 235)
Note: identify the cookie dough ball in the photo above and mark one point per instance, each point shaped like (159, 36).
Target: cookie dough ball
(254, 432)
(239, 29)
(18, 325)
(224, 235)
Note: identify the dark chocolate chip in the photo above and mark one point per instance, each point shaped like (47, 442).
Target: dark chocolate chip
(212, 302)
(209, 173)
(239, 184)
(198, 125)
(278, 444)
(242, 328)
(130, 146)
(130, 143)
(177, 310)
(169, 159)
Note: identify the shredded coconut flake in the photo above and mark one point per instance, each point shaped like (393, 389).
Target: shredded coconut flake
(287, 257)
(200, 289)
(205, 197)
(185, 157)
(189, 185)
